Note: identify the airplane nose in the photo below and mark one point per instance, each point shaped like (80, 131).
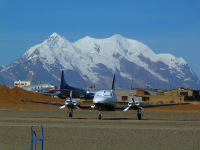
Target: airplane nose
(98, 100)
(95, 100)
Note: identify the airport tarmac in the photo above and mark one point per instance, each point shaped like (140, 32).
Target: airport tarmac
(171, 127)
(160, 129)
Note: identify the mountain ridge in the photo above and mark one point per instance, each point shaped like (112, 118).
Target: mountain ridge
(91, 61)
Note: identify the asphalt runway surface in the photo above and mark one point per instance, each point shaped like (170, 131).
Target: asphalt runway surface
(159, 130)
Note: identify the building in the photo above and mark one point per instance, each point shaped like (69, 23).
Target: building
(173, 96)
(155, 96)
(125, 96)
(22, 83)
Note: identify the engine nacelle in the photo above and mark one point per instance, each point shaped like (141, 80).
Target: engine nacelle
(135, 103)
(74, 102)
(138, 103)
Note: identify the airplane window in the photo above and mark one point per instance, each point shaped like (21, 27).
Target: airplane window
(107, 93)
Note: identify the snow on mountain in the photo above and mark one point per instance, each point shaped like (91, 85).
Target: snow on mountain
(130, 49)
(91, 61)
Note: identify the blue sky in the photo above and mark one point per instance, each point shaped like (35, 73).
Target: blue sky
(166, 26)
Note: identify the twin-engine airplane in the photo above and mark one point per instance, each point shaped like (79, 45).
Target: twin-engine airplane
(104, 100)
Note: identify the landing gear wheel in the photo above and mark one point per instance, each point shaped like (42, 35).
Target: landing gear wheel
(70, 115)
(99, 117)
(139, 116)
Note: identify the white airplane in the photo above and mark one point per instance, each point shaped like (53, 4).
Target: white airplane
(104, 100)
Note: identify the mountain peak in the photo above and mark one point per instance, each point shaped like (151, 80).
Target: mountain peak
(88, 37)
(118, 36)
(53, 38)
(54, 34)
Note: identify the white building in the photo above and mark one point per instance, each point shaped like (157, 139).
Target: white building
(22, 83)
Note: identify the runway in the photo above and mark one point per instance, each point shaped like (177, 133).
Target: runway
(117, 130)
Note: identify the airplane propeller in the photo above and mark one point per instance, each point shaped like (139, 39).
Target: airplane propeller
(63, 106)
(71, 104)
(67, 102)
(135, 105)
(127, 108)
(130, 104)
(77, 107)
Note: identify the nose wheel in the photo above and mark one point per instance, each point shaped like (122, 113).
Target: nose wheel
(100, 115)
(70, 115)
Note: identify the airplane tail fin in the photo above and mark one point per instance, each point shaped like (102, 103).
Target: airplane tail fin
(63, 83)
(113, 84)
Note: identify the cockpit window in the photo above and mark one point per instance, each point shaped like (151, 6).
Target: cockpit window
(107, 93)
(103, 93)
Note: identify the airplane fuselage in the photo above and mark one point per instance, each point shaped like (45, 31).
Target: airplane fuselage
(42, 88)
(77, 92)
(105, 100)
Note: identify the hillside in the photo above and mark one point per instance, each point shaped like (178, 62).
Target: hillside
(9, 98)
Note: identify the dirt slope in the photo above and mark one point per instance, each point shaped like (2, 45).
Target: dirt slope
(9, 97)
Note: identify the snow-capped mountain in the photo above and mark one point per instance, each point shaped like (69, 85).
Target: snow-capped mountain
(91, 61)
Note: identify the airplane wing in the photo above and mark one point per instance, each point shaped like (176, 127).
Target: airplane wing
(149, 106)
(159, 105)
(53, 94)
(54, 103)
(42, 102)
(49, 94)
